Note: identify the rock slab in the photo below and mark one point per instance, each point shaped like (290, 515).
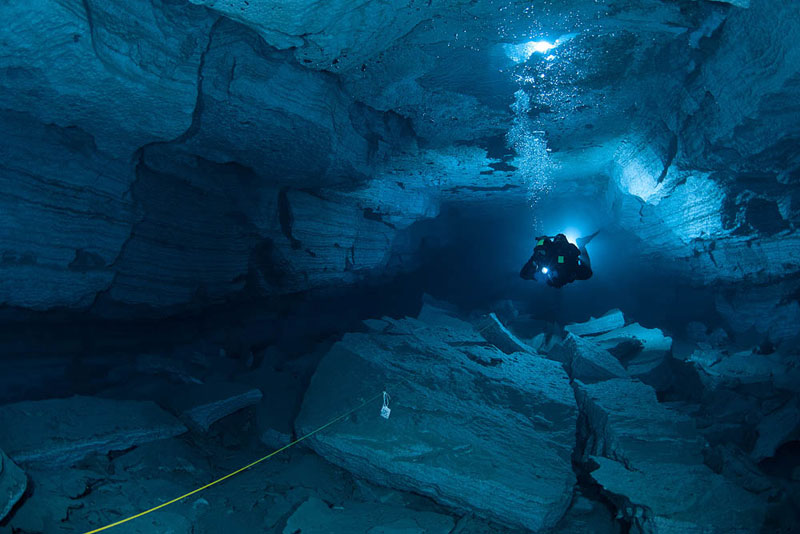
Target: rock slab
(650, 462)
(203, 405)
(646, 353)
(464, 415)
(586, 361)
(13, 483)
(496, 333)
(607, 322)
(58, 432)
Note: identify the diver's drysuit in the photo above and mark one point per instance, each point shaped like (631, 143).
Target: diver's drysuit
(559, 261)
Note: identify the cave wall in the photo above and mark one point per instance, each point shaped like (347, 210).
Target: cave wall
(160, 172)
(170, 155)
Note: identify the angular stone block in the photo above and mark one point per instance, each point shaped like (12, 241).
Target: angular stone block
(470, 426)
(58, 432)
(501, 337)
(203, 405)
(13, 483)
(611, 320)
(651, 464)
(587, 361)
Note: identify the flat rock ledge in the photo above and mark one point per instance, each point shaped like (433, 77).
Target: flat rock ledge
(59, 432)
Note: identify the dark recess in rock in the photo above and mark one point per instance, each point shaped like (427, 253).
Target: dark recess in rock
(763, 215)
(86, 261)
(286, 218)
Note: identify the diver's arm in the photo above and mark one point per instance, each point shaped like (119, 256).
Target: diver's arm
(528, 271)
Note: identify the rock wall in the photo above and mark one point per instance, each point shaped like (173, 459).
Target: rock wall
(165, 164)
(174, 154)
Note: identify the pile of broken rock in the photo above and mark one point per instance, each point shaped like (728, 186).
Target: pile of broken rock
(520, 431)
(597, 427)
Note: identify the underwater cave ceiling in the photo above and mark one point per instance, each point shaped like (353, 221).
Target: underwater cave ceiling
(166, 152)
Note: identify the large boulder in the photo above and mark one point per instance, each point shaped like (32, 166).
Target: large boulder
(202, 405)
(12, 484)
(586, 361)
(496, 333)
(750, 399)
(58, 432)
(610, 320)
(649, 460)
(718, 369)
(472, 427)
(645, 352)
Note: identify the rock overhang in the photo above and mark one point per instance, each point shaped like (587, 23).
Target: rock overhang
(390, 117)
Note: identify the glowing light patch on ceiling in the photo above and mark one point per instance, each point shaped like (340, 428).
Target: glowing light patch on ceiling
(519, 53)
(639, 181)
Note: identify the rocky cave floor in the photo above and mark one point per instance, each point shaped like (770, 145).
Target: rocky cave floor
(499, 424)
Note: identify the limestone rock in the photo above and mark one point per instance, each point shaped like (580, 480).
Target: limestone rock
(538, 342)
(718, 369)
(203, 405)
(13, 483)
(463, 415)
(56, 494)
(264, 117)
(436, 312)
(136, 82)
(777, 428)
(651, 464)
(338, 29)
(729, 461)
(652, 340)
(58, 432)
(501, 337)
(645, 352)
(316, 517)
(185, 130)
(766, 308)
(90, 88)
(586, 516)
(176, 370)
(698, 332)
(275, 413)
(611, 320)
(586, 361)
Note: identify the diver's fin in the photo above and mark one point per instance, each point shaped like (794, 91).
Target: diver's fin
(583, 241)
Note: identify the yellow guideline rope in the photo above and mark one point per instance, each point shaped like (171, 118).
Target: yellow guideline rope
(229, 475)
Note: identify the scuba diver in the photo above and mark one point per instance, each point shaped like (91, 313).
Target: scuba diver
(559, 261)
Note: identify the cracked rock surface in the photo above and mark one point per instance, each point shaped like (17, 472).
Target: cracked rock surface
(651, 458)
(463, 415)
